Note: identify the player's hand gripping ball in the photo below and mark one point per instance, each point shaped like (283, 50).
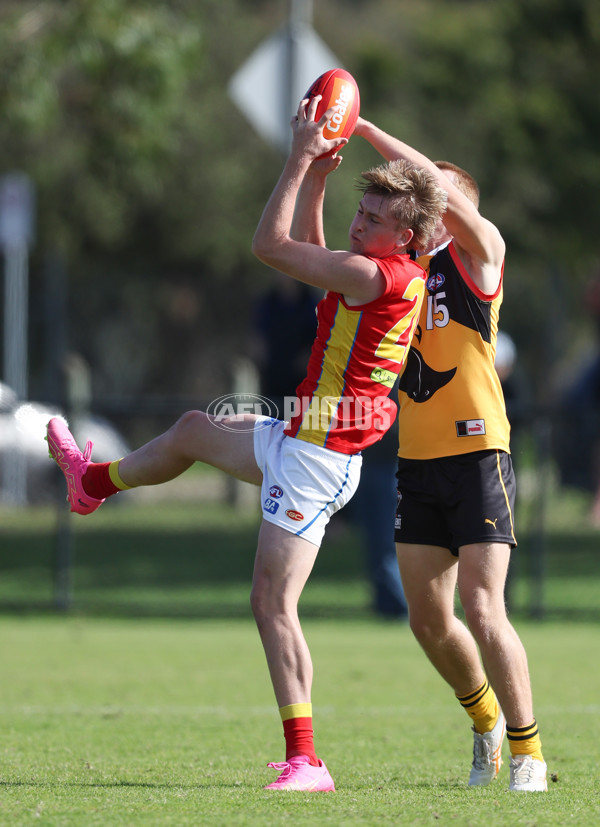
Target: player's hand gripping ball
(339, 91)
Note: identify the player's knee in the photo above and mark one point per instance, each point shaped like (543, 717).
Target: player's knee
(187, 429)
(481, 615)
(262, 600)
(269, 601)
(257, 604)
(427, 627)
(190, 421)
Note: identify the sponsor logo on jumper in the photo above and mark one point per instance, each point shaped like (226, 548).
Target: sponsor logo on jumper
(270, 505)
(383, 377)
(470, 427)
(230, 412)
(275, 492)
(491, 522)
(434, 282)
(294, 515)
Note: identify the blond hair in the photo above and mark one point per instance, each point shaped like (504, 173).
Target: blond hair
(463, 182)
(415, 198)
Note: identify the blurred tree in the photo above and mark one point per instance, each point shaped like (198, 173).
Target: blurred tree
(507, 90)
(150, 182)
(118, 112)
(91, 95)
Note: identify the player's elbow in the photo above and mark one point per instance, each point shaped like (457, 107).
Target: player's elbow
(267, 249)
(260, 247)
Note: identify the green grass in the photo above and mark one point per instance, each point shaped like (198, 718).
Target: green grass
(194, 559)
(135, 691)
(171, 722)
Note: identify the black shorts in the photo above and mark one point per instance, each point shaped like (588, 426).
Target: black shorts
(455, 501)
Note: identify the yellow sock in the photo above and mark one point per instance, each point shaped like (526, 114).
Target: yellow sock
(525, 740)
(113, 472)
(482, 707)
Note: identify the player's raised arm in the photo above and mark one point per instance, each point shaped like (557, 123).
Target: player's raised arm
(355, 276)
(308, 216)
(477, 240)
(273, 242)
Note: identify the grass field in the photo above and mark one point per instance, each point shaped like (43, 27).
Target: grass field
(148, 702)
(193, 558)
(172, 722)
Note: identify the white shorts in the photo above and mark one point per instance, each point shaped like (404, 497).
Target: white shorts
(303, 484)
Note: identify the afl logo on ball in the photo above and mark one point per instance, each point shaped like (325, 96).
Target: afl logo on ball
(294, 515)
(434, 282)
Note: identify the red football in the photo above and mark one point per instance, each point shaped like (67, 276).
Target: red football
(338, 89)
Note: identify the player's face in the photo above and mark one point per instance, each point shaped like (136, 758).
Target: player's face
(374, 232)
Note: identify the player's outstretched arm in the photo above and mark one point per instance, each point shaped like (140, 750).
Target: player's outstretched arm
(356, 276)
(477, 240)
(307, 224)
(273, 241)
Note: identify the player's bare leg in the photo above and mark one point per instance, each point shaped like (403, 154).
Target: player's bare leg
(429, 576)
(481, 580)
(195, 437)
(281, 569)
(227, 444)
(282, 566)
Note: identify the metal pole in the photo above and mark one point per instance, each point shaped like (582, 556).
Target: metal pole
(16, 231)
(15, 320)
(58, 392)
(14, 468)
(300, 18)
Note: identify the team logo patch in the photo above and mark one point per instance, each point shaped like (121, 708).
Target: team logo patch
(275, 492)
(470, 427)
(294, 515)
(435, 282)
(270, 505)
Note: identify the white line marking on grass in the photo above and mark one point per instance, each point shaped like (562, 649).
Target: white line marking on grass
(259, 711)
(76, 709)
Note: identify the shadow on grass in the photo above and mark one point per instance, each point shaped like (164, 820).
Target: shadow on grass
(197, 611)
(197, 563)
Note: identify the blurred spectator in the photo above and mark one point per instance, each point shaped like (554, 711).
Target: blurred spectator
(517, 395)
(373, 508)
(506, 355)
(577, 436)
(285, 325)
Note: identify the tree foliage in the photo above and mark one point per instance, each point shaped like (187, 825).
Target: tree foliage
(507, 90)
(91, 99)
(150, 182)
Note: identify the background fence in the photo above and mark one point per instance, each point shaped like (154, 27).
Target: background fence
(186, 548)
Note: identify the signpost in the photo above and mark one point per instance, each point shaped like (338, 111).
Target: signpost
(268, 87)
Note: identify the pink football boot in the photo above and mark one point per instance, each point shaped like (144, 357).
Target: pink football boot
(299, 774)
